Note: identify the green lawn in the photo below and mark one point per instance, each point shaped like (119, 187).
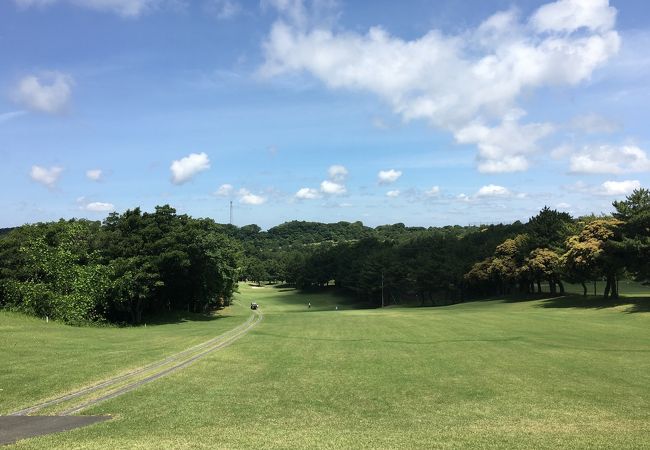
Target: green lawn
(41, 359)
(494, 374)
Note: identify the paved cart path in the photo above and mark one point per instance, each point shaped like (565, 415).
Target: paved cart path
(14, 428)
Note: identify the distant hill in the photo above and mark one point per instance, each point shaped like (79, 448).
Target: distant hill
(5, 230)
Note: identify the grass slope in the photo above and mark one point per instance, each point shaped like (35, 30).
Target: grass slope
(41, 360)
(482, 375)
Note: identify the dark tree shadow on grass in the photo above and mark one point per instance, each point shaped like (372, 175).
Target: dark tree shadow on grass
(182, 317)
(636, 304)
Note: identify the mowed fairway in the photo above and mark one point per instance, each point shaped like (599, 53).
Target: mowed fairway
(480, 375)
(42, 360)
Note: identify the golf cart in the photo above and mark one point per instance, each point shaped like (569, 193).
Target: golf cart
(254, 305)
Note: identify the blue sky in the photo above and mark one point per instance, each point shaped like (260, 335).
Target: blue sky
(426, 113)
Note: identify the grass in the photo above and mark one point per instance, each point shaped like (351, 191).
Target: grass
(489, 374)
(41, 360)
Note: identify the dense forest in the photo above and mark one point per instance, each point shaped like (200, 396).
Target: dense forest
(139, 263)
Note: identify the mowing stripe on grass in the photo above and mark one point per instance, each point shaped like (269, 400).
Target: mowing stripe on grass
(125, 383)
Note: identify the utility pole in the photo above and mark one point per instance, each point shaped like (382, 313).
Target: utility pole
(230, 212)
(382, 288)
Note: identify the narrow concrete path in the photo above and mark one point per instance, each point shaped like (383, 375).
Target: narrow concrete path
(14, 428)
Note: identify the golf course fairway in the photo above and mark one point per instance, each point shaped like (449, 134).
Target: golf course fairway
(491, 374)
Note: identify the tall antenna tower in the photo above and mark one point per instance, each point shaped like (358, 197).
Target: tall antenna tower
(230, 212)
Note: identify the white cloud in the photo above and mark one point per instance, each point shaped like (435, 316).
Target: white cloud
(307, 194)
(94, 174)
(124, 8)
(610, 160)
(593, 123)
(462, 83)
(492, 190)
(332, 188)
(49, 93)
(563, 205)
(337, 173)
(99, 207)
(393, 194)
(223, 9)
(185, 168)
(6, 117)
(225, 190)
(46, 176)
(433, 192)
(388, 176)
(504, 148)
(463, 198)
(570, 15)
(619, 187)
(335, 185)
(248, 198)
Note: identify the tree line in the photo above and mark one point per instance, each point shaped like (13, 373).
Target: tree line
(450, 264)
(139, 263)
(130, 264)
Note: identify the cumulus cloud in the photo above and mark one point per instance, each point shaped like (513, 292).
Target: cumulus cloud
(49, 93)
(571, 15)
(464, 198)
(393, 193)
(225, 190)
(388, 176)
(47, 176)
(337, 173)
(504, 148)
(593, 124)
(248, 198)
(609, 159)
(124, 8)
(468, 83)
(334, 185)
(99, 207)
(492, 190)
(94, 174)
(185, 168)
(619, 187)
(307, 194)
(433, 192)
(332, 188)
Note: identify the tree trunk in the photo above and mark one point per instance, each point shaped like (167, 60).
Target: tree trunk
(559, 283)
(608, 286)
(584, 289)
(552, 287)
(539, 287)
(614, 287)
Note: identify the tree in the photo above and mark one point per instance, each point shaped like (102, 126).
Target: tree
(634, 211)
(549, 228)
(591, 255)
(545, 264)
(60, 275)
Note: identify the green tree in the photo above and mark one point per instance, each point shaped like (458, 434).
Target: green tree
(634, 211)
(545, 264)
(591, 254)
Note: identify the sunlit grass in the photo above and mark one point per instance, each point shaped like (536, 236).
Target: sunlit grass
(42, 359)
(490, 374)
